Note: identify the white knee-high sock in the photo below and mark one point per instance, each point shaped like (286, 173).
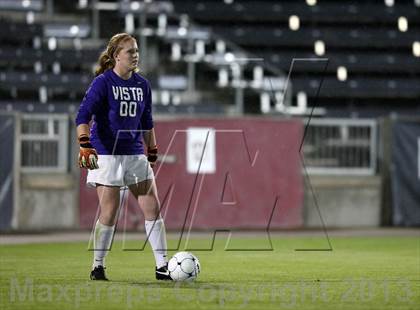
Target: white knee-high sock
(156, 234)
(101, 243)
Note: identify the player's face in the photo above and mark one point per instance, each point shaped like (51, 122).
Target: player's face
(128, 57)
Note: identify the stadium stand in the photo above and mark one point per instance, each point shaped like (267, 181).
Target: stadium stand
(361, 37)
(220, 56)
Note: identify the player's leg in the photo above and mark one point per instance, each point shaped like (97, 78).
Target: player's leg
(109, 200)
(146, 194)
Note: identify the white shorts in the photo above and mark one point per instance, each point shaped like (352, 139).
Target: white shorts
(120, 170)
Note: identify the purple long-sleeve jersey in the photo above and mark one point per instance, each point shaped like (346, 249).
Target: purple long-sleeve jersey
(121, 111)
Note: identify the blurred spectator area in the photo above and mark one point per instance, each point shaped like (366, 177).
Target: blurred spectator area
(343, 56)
(372, 46)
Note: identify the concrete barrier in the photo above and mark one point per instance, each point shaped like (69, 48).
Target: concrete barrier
(343, 201)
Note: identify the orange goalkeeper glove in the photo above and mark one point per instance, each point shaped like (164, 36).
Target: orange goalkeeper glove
(88, 158)
(152, 155)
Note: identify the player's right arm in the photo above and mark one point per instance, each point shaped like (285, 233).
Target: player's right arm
(88, 157)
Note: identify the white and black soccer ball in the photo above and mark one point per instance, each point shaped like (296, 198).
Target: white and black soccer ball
(184, 266)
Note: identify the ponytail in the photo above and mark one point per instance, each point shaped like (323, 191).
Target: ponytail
(104, 63)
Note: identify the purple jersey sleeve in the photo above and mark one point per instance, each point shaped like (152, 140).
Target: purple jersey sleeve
(146, 118)
(92, 101)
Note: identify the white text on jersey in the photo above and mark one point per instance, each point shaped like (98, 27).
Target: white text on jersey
(127, 93)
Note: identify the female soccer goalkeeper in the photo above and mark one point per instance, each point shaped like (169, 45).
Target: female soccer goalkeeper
(117, 105)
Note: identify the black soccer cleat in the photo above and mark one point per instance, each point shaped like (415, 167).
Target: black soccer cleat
(98, 273)
(163, 273)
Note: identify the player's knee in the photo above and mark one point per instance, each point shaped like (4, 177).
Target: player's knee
(152, 213)
(107, 219)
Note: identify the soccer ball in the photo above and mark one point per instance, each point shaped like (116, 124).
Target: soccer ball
(184, 266)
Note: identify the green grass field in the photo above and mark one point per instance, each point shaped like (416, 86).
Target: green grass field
(359, 273)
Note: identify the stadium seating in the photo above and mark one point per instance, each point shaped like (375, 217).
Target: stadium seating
(18, 34)
(361, 36)
(48, 59)
(336, 12)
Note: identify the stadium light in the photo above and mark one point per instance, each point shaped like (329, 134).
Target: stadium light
(311, 2)
(26, 3)
(302, 101)
(416, 49)
(265, 103)
(223, 77)
(176, 99)
(417, 3)
(43, 94)
(220, 46)
(30, 18)
(175, 51)
(182, 31)
(389, 3)
(228, 1)
(38, 67)
(200, 48)
(342, 73)
(258, 76)
(74, 30)
(37, 42)
(165, 97)
(83, 4)
(294, 22)
(258, 73)
(56, 68)
(129, 23)
(52, 43)
(229, 57)
(162, 24)
(319, 48)
(135, 5)
(402, 24)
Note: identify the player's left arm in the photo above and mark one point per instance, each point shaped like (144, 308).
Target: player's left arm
(147, 126)
(149, 139)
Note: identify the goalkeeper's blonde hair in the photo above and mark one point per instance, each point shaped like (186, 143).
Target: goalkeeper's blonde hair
(106, 59)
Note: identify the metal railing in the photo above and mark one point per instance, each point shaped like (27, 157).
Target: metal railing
(341, 146)
(44, 143)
